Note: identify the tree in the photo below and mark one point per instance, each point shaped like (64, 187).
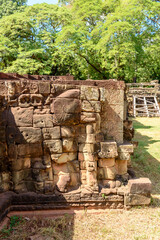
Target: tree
(97, 39)
(27, 42)
(114, 37)
(8, 7)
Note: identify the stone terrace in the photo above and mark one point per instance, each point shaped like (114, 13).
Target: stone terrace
(63, 144)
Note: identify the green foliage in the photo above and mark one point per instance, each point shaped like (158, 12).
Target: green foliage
(97, 39)
(8, 7)
(6, 231)
(103, 195)
(29, 39)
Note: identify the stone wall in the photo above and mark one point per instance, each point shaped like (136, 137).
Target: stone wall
(64, 137)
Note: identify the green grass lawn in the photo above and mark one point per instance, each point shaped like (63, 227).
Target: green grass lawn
(139, 223)
(146, 159)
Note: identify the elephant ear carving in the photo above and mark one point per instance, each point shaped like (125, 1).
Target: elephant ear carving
(66, 108)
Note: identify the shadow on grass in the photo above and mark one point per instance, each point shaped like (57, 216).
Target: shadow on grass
(39, 228)
(144, 164)
(141, 126)
(155, 202)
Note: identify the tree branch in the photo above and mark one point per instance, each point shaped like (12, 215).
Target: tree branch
(95, 68)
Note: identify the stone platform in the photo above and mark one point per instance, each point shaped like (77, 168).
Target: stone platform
(137, 192)
(65, 142)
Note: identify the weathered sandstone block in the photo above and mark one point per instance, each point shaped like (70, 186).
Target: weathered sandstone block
(107, 173)
(109, 162)
(114, 96)
(39, 187)
(139, 186)
(83, 165)
(99, 137)
(87, 138)
(88, 117)
(5, 187)
(2, 134)
(63, 181)
(125, 148)
(57, 89)
(69, 145)
(87, 147)
(42, 111)
(51, 133)
(89, 93)
(73, 166)
(66, 110)
(46, 160)
(128, 130)
(91, 106)
(12, 152)
(38, 165)
(121, 167)
(103, 94)
(69, 167)
(14, 135)
(5, 176)
(112, 122)
(20, 187)
(49, 187)
(3, 150)
(43, 121)
(21, 163)
(55, 157)
(125, 151)
(91, 178)
(136, 200)
(64, 157)
(89, 129)
(67, 132)
(124, 156)
(83, 177)
(114, 113)
(43, 174)
(29, 150)
(75, 179)
(19, 176)
(54, 146)
(3, 117)
(66, 119)
(57, 168)
(86, 156)
(65, 106)
(20, 117)
(108, 149)
(30, 134)
(44, 87)
(72, 93)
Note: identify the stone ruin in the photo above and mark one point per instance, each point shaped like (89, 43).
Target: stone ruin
(140, 89)
(65, 143)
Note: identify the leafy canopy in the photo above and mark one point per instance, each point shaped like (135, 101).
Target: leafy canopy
(8, 7)
(97, 39)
